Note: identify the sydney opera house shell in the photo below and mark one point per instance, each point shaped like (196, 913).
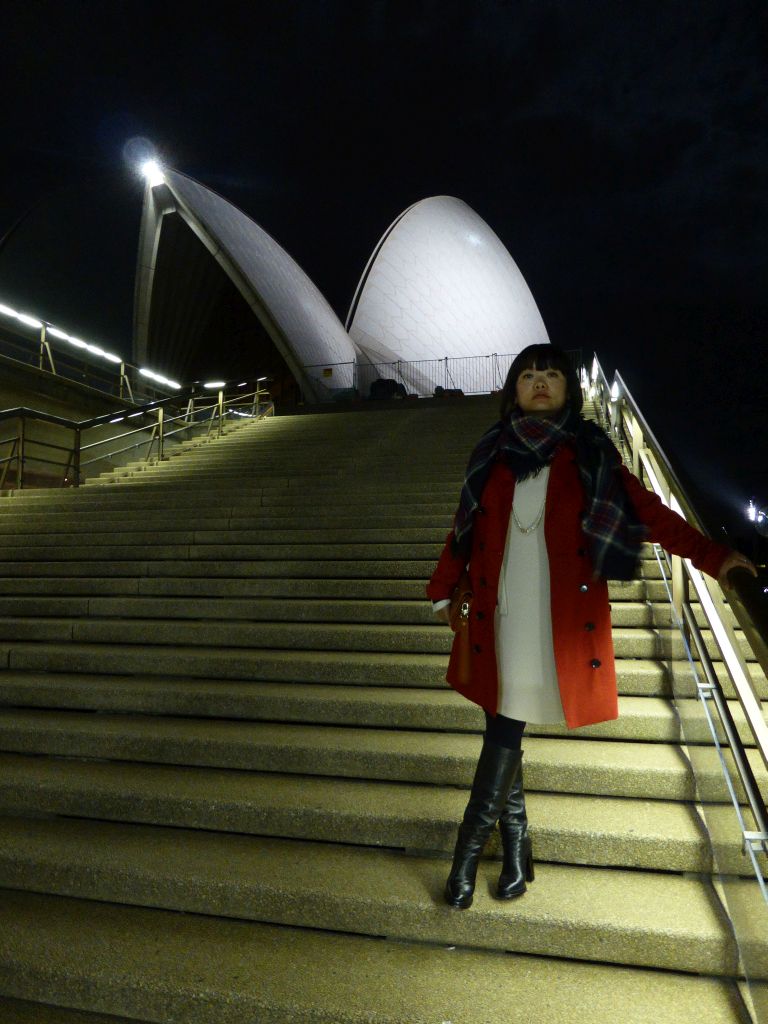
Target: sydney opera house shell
(441, 301)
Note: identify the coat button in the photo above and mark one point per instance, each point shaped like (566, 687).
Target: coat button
(595, 663)
(589, 626)
(581, 552)
(483, 582)
(477, 648)
(481, 615)
(583, 588)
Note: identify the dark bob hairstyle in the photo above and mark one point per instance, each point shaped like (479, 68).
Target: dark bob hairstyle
(541, 357)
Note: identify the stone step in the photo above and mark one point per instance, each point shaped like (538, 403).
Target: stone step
(627, 614)
(12, 524)
(273, 587)
(613, 768)
(432, 638)
(636, 676)
(305, 569)
(163, 965)
(393, 500)
(649, 919)
(566, 828)
(330, 534)
(646, 719)
(245, 478)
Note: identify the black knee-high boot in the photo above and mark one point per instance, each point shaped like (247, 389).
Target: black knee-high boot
(495, 773)
(516, 842)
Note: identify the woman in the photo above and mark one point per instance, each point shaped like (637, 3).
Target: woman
(547, 515)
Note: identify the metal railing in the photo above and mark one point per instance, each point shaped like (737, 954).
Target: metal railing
(472, 375)
(696, 684)
(158, 424)
(79, 361)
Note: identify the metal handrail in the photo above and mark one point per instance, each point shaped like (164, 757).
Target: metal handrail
(621, 412)
(194, 418)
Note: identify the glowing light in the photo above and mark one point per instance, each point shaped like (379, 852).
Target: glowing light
(112, 358)
(56, 333)
(95, 350)
(615, 391)
(595, 368)
(77, 343)
(751, 511)
(7, 311)
(153, 172)
(260, 379)
(30, 321)
(158, 378)
(215, 384)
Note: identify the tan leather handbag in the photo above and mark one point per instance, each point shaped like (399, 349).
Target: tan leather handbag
(461, 606)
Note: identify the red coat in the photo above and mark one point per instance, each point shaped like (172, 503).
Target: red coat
(581, 621)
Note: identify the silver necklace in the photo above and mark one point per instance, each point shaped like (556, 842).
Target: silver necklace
(534, 524)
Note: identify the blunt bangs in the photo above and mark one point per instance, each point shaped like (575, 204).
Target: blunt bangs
(541, 357)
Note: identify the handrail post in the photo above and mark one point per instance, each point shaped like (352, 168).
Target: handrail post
(220, 410)
(76, 457)
(20, 457)
(45, 350)
(679, 586)
(160, 419)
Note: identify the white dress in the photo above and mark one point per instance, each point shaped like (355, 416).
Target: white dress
(528, 689)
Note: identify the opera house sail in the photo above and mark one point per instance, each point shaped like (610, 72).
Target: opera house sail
(440, 298)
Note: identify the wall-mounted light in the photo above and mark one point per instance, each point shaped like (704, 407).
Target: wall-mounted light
(30, 321)
(158, 378)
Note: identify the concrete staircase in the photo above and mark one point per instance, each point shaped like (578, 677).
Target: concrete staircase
(232, 771)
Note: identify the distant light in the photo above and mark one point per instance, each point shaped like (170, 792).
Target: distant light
(215, 384)
(158, 378)
(595, 368)
(56, 333)
(752, 511)
(615, 391)
(243, 384)
(118, 419)
(30, 321)
(260, 379)
(153, 172)
(592, 391)
(7, 311)
(77, 343)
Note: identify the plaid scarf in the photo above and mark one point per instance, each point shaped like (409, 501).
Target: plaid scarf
(527, 444)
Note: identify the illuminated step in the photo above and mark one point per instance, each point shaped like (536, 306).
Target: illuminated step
(666, 920)
(160, 962)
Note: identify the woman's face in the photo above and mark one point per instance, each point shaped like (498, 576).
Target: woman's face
(541, 392)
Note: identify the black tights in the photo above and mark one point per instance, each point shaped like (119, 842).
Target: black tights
(504, 732)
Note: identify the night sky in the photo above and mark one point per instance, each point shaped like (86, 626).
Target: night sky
(619, 150)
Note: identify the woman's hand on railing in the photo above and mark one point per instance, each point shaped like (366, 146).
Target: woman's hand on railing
(734, 561)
